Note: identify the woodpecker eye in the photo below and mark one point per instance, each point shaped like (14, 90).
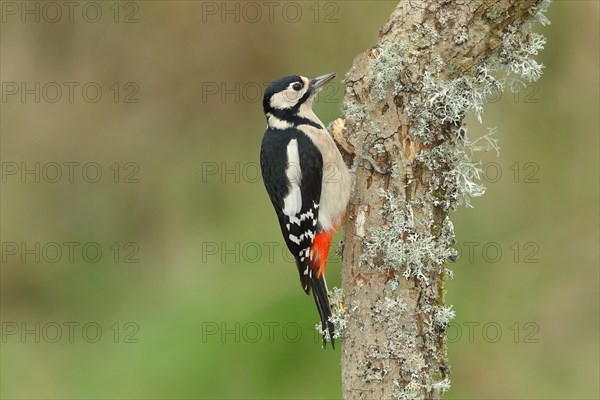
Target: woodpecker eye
(297, 87)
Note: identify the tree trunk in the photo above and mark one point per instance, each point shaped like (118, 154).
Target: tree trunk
(403, 132)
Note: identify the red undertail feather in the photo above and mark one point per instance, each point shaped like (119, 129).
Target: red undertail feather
(319, 251)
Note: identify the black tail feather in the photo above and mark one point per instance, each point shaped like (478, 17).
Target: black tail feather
(304, 276)
(319, 289)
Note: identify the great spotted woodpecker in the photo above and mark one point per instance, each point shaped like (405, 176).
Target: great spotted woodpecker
(306, 179)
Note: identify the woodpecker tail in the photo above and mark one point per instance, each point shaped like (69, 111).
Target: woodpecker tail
(319, 289)
(312, 278)
(319, 252)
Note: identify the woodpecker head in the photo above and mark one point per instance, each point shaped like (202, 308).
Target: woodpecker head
(292, 97)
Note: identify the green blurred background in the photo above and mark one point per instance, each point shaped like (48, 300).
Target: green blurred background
(212, 307)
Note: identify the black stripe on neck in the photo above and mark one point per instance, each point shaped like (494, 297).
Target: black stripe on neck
(295, 120)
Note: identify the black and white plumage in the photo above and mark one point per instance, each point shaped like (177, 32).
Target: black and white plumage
(295, 150)
(295, 190)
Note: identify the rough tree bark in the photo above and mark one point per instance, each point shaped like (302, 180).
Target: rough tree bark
(403, 131)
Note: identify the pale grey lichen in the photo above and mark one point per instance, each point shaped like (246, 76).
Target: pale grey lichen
(353, 111)
(389, 311)
(519, 46)
(379, 148)
(379, 131)
(383, 307)
(386, 69)
(338, 317)
(404, 245)
(336, 298)
(518, 52)
(540, 13)
(494, 12)
(424, 35)
(460, 175)
(463, 35)
(441, 314)
(450, 101)
(442, 386)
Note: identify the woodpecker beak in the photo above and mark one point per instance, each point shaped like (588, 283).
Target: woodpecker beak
(317, 83)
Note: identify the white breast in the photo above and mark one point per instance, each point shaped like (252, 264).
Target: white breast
(336, 184)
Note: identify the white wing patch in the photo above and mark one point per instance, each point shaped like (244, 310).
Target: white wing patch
(308, 236)
(292, 203)
(294, 238)
(297, 220)
(297, 240)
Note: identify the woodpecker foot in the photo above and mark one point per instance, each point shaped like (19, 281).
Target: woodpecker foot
(340, 250)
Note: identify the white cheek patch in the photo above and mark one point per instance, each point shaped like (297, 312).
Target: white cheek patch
(289, 97)
(283, 100)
